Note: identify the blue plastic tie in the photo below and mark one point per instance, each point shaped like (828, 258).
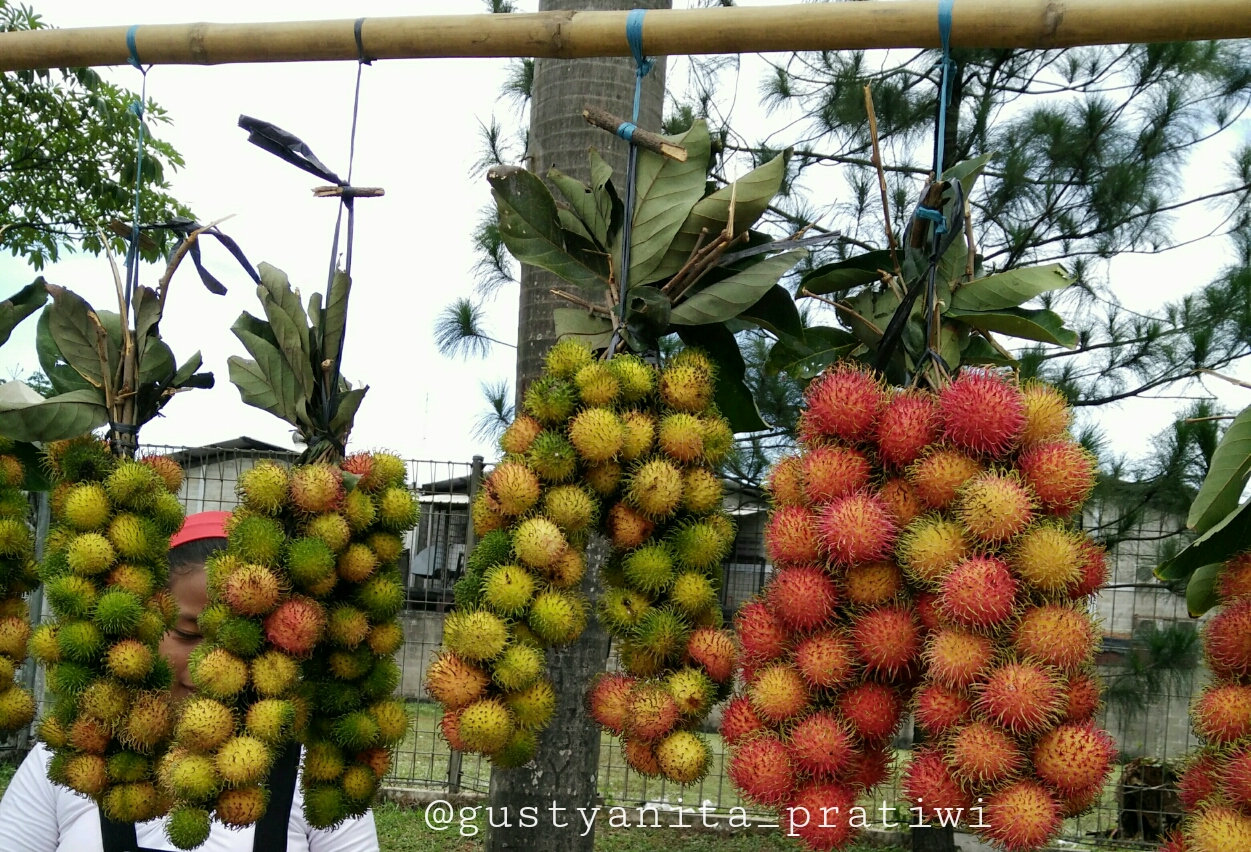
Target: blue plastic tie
(136, 108)
(944, 96)
(130, 45)
(626, 130)
(634, 36)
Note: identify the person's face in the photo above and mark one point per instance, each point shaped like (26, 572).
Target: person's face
(190, 591)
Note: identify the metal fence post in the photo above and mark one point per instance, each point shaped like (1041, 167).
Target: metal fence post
(471, 540)
(30, 675)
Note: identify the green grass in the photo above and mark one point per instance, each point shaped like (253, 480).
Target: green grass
(6, 775)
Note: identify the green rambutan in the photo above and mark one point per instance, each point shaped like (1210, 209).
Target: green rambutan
(639, 435)
(557, 616)
(485, 726)
(79, 641)
(89, 554)
(331, 528)
(87, 774)
(133, 485)
(636, 378)
(680, 436)
(702, 544)
(597, 434)
(718, 438)
(346, 625)
(832, 471)
(518, 667)
(387, 546)
(1049, 557)
(692, 593)
(117, 612)
(258, 539)
(86, 507)
(385, 639)
(309, 562)
(567, 357)
(349, 665)
(128, 767)
(620, 610)
(684, 757)
(538, 542)
(218, 673)
(1047, 412)
(356, 563)
(264, 487)
(701, 491)
(508, 589)
(316, 488)
(662, 634)
(397, 510)
(188, 827)
(571, 507)
(686, 387)
(475, 636)
(655, 487)
(252, 590)
(71, 596)
(693, 691)
(381, 596)
(204, 724)
(43, 644)
(359, 510)
(532, 707)
(649, 569)
(550, 400)
(274, 674)
(129, 660)
(355, 731)
(17, 708)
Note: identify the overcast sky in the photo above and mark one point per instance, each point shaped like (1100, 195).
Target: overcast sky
(418, 138)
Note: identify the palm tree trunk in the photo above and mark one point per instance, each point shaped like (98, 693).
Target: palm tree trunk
(563, 775)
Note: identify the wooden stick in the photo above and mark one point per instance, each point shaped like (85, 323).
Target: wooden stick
(645, 139)
(353, 191)
(666, 32)
(881, 180)
(595, 309)
(162, 287)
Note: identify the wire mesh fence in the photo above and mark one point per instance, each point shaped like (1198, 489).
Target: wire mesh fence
(1150, 660)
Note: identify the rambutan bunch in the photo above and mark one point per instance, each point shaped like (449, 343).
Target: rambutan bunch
(661, 602)
(104, 570)
(1215, 787)
(18, 575)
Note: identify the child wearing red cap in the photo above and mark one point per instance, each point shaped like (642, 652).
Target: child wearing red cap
(39, 816)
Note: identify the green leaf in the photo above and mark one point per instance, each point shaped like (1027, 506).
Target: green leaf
(20, 305)
(1232, 535)
(63, 377)
(968, 171)
(157, 364)
(665, 191)
(648, 312)
(147, 312)
(821, 346)
(753, 193)
(868, 314)
(281, 394)
(345, 412)
(255, 389)
(27, 416)
(187, 370)
(1041, 325)
(728, 298)
(570, 222)
(1009, 289)
(286, 317)
(732, 396)
(1227, 476)
(31, 457)
(76, 336)
(776, 313)
(594, 330)
(335, 315)
(845, 274)
(591, 205)
(977, 350)
(1201, 594)
(530, 228)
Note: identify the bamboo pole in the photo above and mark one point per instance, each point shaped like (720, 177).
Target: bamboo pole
(811, 26)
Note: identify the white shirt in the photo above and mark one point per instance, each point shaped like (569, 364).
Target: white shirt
(39, 816)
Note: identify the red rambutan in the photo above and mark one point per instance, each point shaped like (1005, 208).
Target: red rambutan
(1083, 696)
(857, 528)
(1227, 640)
(739, 721)
(843, 402)
(1094, 571)
(803, 598)
(982, 412)
(714, 651)
(786, 481)
(939, 709)
(870, 767)
(609, 698)
(1080, 801)
(821, 745)
(1074, 757)
(1235, 578)
(449, 727)
(1021, 697)
(939, 474)
(832, 471)
(902, 500)
(1175, 841)
(1022, 816)
(778, 693)
(825, 660)
(791, 536)
(927, 782)
(958, 658)
(873, 710)
(980, 753)
(1061, 474)
(1200, 780)
(628, 528)
(887, 639)
(640, 755)
(650, 712)
(908, 424)
(979, 593)
(1236, 779)
(761, 769)
(820, 815)
(760, 634)
(927, 611)
(872, 583)
(1056, 635)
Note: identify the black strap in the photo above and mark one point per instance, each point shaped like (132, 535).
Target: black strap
(271, 830)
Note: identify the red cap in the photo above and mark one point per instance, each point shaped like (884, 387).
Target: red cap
(201, 525)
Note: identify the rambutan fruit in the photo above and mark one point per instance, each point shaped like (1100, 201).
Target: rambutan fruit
(204, 724)
(940, 709)
(597, 384)
(514, 487)
(636, 378)
(520, 749)
(761, 769)
(484, 513)
(323, 761)
(928, 783)
(485, 726)
(86, 774)
(825, 660)
(701, 545)
(566, 357)
(1227, 640)
(980, 753)
(1021, 697)
(532, 707)
(939, 474)
(686, 387)
(1236, 779)
(218, 673)
(1080, 802)
(264, 487)
(902, 500)
(332, 528)
(1047, 412)
(550, 400)
(1049, 557)
(908, 424)
(925, 605)
(639, 434)
(640, 756)
(820, 814)
(739, 721)
(571, 507)
(929, 547)
(843, 402)
(12, 473)
(979, 593)
(1222, 713)
(518, 667)
(260, 540)
(1056, 635)
(17, 708)
(136, 579)
(692, 593)
(597, 434)
(475, 636)
(791, 536)
(821, 744)
(620, 610)
(857, 528)
(778, 693)
(833, 471)
(191, 777)
(803, 598)
(71, 596)
(1060, 473)
(872, 584)
(684, 757)
(79, 641)
(148, 723)
(86, 507)
(1021, 816)
(397, 510)
(638, 661)
(385, 639)
(655, 487)
(243, 760)
(558, 616)
(982, 412)
(296, 626)
(167, 469)
(89, 554)
(274, 674)
(714, 651)
(552, 457)
(873, 710)
(1234, 580)
(627, 527)
(786, 481)
(238, 807)
(117, 612)
(701, 491)
(760, 633)
(455, 683)
(994, 507)
(381, 596)
(520, 434)
(1218, 829)
(316, 488)
(608, 700)
(89, 735)
(1200, 780)
(603, 478)
(129, 660)
(252, 590)
(1074, 757)
(680, 436)
(391, 720)
(692, 690)
(132, 484)
(508, 589)
(887, 639)
(1093, 566)
(662, 634)
(359, 784)
(538, 542)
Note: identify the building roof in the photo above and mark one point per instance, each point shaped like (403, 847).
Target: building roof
(241, 446)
